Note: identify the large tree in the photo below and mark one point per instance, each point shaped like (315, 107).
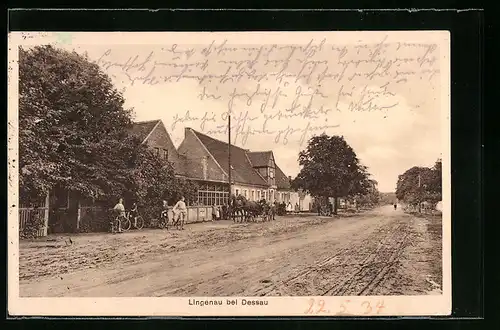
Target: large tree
(72, 124)
(74, 134)
(330, 168)
(420, 184)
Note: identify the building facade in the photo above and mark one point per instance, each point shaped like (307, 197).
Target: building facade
(203, 159)
(284, 189)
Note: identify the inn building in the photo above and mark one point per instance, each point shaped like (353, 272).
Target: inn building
(203, 159)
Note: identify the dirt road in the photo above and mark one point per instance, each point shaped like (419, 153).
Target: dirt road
(378, 252)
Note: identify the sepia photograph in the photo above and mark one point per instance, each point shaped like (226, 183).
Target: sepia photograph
(229, 173)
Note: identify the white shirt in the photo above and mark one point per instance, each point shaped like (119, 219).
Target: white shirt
(180, 206)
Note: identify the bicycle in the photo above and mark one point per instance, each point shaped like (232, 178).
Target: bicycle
(138, 222)
(178, 220)
(163, 220)
(120, 224)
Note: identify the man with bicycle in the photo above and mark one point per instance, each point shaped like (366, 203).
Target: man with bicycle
(180, 212)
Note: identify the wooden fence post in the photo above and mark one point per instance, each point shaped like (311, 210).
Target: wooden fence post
(78, 215)
(46, 216)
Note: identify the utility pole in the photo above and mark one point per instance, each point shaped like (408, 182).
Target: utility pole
(420, 195)
(229, 153)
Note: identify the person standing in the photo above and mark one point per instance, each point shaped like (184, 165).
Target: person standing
(119, 209)
(217, 213)
(224, 212)
(180, 209)
(214, 212)
(134, 213)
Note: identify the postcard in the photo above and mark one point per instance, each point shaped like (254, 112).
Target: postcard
(229, 173)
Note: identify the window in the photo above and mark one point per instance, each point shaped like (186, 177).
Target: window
(165, 154)
(245, 193)
(258, 195)
(157, 152)
(252, 196)
(213, 195)
(271, 173)
(237, 192)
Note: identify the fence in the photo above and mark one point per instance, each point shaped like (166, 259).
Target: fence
(422, 209)
(37, 217)
(34, 220)
(92, 219)
(96, 219)
(194, 214)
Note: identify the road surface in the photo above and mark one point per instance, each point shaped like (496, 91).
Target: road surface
(377, 252)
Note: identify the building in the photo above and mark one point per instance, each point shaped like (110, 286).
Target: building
(155, 135)
(263, 162)
(285, 192)
(201, 158)
(212, 154)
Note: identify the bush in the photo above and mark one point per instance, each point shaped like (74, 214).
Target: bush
(95, 220)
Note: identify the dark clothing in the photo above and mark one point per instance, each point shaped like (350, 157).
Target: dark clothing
(224, 212)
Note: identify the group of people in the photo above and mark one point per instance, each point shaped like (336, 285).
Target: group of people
(220, 212)
(179, 209)
(292, 209)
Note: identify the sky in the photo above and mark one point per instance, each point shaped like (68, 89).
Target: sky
(392, 120)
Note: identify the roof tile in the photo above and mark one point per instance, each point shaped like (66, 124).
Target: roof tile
(260, 158)
(243, 171)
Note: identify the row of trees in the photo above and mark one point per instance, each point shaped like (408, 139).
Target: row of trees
(330, 168)
(74, 134)
(420, 184)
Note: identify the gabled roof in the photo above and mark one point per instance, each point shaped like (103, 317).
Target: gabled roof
(282, 181)
(243, 171)
(142, 129)
(189, 169)
(260, 158)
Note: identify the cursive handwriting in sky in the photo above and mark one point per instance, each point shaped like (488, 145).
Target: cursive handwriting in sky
(383, 96)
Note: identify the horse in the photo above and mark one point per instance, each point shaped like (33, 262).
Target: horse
(245, 210)
(236, 208)
(268, 210)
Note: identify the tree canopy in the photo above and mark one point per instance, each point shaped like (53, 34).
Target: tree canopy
(330, 168)
(74, 133)
(420, 184)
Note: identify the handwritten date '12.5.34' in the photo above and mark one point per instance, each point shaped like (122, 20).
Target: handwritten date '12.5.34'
(347, 307)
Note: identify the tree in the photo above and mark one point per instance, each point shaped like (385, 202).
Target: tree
(330, 168)
(74, 134)
(72, 124)
(420, 184)
(153, 180)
